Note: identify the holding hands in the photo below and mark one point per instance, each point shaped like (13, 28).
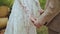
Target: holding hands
(36, 22)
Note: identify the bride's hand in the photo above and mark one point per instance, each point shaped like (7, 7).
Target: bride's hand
(35, 22)
(41, 11)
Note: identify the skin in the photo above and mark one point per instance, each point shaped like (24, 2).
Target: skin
(52, 9)
(35, 21)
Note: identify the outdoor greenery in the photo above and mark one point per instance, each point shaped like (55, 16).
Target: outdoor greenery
(42, 3)
(6, 2)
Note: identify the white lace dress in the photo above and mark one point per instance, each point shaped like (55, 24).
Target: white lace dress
(19, 21)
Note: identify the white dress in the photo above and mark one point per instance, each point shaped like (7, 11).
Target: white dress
(19, 21)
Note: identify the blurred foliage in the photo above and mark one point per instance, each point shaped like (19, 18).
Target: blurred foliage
(42, 30)
(42, 3)
(6, 2)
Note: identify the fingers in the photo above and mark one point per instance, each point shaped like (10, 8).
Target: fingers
(32, 19)
(41, 11)
(35, 22)
(37, 25)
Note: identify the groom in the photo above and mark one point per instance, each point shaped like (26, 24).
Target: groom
(50, 17)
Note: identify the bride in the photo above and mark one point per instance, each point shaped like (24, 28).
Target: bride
(19, 20)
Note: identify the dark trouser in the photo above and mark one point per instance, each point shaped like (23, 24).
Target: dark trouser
(50, 31)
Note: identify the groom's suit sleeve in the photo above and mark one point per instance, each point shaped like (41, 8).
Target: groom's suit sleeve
(52, 9)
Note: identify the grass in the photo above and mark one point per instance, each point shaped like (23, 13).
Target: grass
(42, 30)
